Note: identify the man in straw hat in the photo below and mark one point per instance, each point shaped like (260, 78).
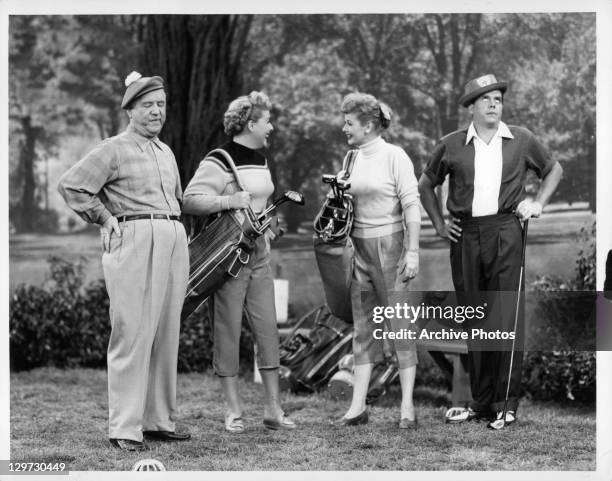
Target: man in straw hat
(129, 185)
(487, 165)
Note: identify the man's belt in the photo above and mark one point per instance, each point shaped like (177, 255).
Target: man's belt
(492, 219)
(125, 218)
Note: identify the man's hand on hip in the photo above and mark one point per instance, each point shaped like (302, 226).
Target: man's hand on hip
(450, 230)
(527, 209)
(110, 226)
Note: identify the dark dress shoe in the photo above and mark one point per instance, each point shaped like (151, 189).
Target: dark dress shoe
(406, 423)
(354, 421)
(128, 444)
(167, 435)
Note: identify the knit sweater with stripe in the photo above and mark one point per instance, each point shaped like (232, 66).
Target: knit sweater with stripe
(213, 183)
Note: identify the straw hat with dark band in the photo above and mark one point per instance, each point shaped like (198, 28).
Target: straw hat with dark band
(137, 86)
(481, 85)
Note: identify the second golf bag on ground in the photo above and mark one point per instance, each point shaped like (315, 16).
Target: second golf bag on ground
(384, 374)
(309, 355)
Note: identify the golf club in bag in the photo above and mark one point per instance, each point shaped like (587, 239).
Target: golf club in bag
(384, 374)
(498, 424)
(309, 355)
(223, 247)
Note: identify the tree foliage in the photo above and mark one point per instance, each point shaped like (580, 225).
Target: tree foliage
(66, 73)
(64, 79)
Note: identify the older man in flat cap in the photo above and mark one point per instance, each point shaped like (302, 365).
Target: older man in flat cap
(487, 165)
(129, 185)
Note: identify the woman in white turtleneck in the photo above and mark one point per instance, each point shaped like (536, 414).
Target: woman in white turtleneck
(386, 239)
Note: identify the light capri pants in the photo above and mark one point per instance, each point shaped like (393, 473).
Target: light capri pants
(146, 273)
(375, 279)
(375, 282)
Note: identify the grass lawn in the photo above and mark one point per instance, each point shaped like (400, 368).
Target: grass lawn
(61, 416)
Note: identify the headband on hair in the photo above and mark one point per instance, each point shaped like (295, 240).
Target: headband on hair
(385, 113)
(245, 111)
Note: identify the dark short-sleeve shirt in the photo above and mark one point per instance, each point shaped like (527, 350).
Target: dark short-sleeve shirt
(453, 157)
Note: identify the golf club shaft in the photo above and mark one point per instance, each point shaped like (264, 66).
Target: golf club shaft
(516, 315)
(334, 186)
(271, 207)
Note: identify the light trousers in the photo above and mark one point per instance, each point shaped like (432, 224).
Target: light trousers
(146, 273)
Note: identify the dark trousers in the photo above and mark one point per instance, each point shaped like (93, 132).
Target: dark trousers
(487, 257)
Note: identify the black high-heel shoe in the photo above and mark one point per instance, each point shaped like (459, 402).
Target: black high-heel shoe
(354, 421)
(406, 423)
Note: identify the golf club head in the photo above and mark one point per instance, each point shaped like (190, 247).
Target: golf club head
(288, 195)
(343, 185)
(328, 178)
(295, 197)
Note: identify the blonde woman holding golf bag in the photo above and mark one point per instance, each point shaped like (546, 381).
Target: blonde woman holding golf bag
(214, 189)
(487, 166)
(385, 236)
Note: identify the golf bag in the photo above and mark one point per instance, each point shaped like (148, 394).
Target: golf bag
(221, 249)
(332, 245)
(309, 358)
(384, 374)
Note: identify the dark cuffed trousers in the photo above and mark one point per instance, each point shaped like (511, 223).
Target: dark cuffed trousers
(487, 257)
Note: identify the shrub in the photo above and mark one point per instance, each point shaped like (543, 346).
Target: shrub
(586, 263)
(61, 323)
(65, 324)
(565, 318)
(560, 375)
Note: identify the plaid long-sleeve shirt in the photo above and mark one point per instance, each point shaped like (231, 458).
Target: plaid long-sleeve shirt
(123, 175)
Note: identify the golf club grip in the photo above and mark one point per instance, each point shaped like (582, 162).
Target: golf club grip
(525, 226)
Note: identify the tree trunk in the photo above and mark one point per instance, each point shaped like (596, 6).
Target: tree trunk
(591, 162)
(199, 57)
(455, 47)
(27, 157)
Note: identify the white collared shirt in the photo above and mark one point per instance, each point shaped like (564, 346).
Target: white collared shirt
(488, 162)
